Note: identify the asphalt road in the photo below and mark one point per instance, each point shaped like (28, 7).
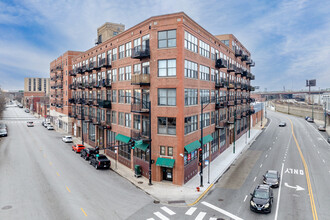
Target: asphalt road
(41, 178)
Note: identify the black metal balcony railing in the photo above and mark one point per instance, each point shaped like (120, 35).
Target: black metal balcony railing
(252, 63)
(238, 52)
(238, 71)
(72, 73)
(231, 120)
(72, 101)
(89, 101)
(249, 61)
(140, 79)
(97, 84)
(96, 102)
(244, 57)
(244, 72)
(96, 120)
(221, 63)
(104, 104)
(91, 66)
(220, 124)
(140, 52)
(140, 135)
(231, 68)
(106, 83)
(231, 85)
(79, 70)
(139, 108)
(72, 86)
(88, 118)
(84, 68)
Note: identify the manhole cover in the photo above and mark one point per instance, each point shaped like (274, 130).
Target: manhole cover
(140, 182)
(220, 200)
(6, 207)
(156, 201)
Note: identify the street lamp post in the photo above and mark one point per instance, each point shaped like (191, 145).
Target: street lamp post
(82, 120)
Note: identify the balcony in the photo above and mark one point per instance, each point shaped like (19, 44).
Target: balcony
(252, 77)
(251, 88)
(238, 85)
(90, 85)
(220, 124)
(72, 115)
(59, 68)
(104, 104)
(231, 102)
(238, 71)
(221, 63)
(140, 135)
(238, 101)
(238, 52)
(72, 86)
(243, 86)
(79, 70)
(244, 72)
(97, 84)
(139, 108)
(91, 66)
(252, 111)
(141, 52)
(104, 63)
(72, 101)
(79, 117)
(72, 73)
(231, 120)
(89, 101)
(238, 115)
(231, 85)
(88, 118)
(249, 61)
(140, 79)
(244, 57)
(231, 68)
(96, 102)
(80, 101)
(221, 102)
(96, 121)
(252, 63)
(244, 114)
(106, 83)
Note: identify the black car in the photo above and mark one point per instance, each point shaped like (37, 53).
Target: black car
(329, 140)
(310, 120)
(100, 161)
(262, 199)
(88, 152)
(282, 124)
(272, 178)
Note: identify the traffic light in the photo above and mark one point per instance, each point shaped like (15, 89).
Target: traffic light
(133, 145)
(200, 150)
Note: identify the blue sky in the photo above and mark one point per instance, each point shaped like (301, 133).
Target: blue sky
(289, 40)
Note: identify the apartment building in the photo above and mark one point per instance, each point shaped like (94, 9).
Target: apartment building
(36, 85)
(149, 85)
(59, 91)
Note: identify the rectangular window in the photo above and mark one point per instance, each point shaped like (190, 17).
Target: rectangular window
(137, 68)
(204, 49)
(167, 39)
(128, 49)
(137, 122)
(190, 69)
(190, 42)
(166, 68)
(114, 54)
(114, 117)
(205, 95)
(128, 72)
(146, 68)
(121, 94)
(128, 96)
(190, 97)
(114, 75)
(162, 150)
(121, 118)
(206, 119)
(169, 151)
(213, 57)
(128, 120)
(121, 74)
(167, 126)
(121, 51)
(204, 72)
(114, 96)
(190, 124)
(167, 97)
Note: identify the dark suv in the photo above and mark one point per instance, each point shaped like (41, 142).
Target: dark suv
(262, 199)
(272, 178)
(99, 161)
(87, 152)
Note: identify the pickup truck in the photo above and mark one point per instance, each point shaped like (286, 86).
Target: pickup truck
(88, 152)
(99, 161)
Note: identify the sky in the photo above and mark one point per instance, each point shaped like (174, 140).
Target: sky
(288, 39)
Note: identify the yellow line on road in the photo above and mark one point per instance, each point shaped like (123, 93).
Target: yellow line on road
(57, 174)
(310, 190)
(67, 188)
(83, 211)
(201, 196)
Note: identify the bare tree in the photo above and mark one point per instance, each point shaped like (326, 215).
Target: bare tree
(2, 102)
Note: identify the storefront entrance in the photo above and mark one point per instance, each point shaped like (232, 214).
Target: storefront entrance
(167, 174)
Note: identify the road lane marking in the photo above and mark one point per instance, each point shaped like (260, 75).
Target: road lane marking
(167, 210)
(245, 198)
(323, 161)
(318, 152)
(279, 194)
(200, 216)
(260, 165)
(83, 211)
(309, 185)
(221, 211)
(298, 188)
(150, 219)
(254, 179)
(161, 216)
(266, 155)
(67, 188)
(57, 174)
(191, 211)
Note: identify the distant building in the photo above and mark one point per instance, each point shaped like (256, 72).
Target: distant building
(40, 85)
(108, 30)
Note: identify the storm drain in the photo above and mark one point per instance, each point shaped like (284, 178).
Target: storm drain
(220, 200)
(140, 182)
(6, 207)
(176, 201)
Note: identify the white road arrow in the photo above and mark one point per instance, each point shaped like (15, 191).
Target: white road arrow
(298, 188)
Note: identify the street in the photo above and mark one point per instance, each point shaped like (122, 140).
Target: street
(44, 179)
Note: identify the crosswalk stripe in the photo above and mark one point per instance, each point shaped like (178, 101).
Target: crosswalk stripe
(212, 218)
(150, 219)
(200, 216)
(161, 216)
(221, 211)
(169, 211)
(191, 211)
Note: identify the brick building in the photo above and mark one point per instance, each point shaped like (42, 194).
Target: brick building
(165, 66)
(59, 91)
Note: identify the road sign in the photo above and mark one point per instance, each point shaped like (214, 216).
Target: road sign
(206, 162)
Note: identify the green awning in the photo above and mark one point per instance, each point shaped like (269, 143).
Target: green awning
(192, 146)
(123, 138)
(142, 146)
(207, 139)
(165, 162)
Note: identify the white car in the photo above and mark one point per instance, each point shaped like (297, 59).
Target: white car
(46, 124)
(67, 139)
(30, 124)
(50, 127)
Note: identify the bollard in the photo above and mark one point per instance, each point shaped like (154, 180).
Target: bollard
(197, 189)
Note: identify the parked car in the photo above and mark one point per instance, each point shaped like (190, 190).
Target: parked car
(262, 199)
(282, 124)
(27, 110)
(310, 120)
(272, 178)
(3, 132)
(46, 124)
(67, 139)
(87, 152)
(100, 161)
(50, 127)
(77, 148)
(307, 117)
(30, 124)
(322, 128)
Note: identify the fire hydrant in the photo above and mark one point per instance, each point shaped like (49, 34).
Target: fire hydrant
(198, 189)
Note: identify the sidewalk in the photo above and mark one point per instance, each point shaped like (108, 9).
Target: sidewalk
(187, 194)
